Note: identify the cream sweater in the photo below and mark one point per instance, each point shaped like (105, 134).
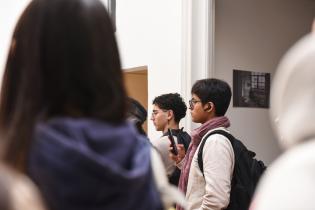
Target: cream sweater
(162, 145)
(211, 192)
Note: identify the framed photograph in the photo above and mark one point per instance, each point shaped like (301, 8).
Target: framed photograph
(251, 89)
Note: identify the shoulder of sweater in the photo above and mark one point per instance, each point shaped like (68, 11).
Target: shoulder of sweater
(163, 140)
(217, 138)
(217, 143)
(219, 128)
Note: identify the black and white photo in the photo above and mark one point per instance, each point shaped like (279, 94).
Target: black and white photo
(251, 89)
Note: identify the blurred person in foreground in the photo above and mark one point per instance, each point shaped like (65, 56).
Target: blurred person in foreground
(289, 182)
(73, 142)
(17, 191)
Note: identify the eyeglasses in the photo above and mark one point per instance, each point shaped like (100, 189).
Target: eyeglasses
(192, 103)
(156, 112)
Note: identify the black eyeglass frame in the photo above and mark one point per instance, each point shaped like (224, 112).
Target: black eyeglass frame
(192, 103)
(156, 112)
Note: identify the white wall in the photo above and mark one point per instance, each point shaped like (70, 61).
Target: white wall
(9, 13)
(149, 34)
(250, 35)
(253, 35)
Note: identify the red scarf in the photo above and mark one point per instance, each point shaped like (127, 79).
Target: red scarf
(197, 135)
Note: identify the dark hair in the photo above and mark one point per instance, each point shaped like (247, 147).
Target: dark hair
(137, 114)
(174, 102)
(64, 61)
(213, 90)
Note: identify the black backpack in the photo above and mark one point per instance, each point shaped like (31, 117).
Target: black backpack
(182, 138)
(246, 174)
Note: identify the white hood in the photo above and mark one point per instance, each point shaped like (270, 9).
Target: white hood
(292, 105)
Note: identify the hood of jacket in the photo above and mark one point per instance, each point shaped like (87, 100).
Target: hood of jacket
(90, 164)
(292, 101)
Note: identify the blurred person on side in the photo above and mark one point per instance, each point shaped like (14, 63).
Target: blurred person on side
(289, 182)
(137, 114)
(73, 142)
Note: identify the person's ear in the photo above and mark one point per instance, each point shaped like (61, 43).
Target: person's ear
(208, 107)
(170, 114)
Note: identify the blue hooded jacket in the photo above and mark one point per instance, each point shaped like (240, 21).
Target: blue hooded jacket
(84, 164)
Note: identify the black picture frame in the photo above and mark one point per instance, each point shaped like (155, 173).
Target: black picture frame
(251, 89)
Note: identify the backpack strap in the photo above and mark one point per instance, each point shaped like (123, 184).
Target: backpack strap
(202, 144)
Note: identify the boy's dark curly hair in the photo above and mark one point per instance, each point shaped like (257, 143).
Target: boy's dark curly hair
(174, 102)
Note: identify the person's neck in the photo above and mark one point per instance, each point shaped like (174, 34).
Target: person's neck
(208, 118)
(171, 125)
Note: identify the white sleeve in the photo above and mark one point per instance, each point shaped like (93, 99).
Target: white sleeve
(169, 193)
(162, 145)
(180, 164)
(218, 165)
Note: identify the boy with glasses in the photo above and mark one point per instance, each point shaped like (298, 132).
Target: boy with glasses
(210, 189)
(168, 110)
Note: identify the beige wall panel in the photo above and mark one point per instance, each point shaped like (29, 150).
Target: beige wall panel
(137, 87)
